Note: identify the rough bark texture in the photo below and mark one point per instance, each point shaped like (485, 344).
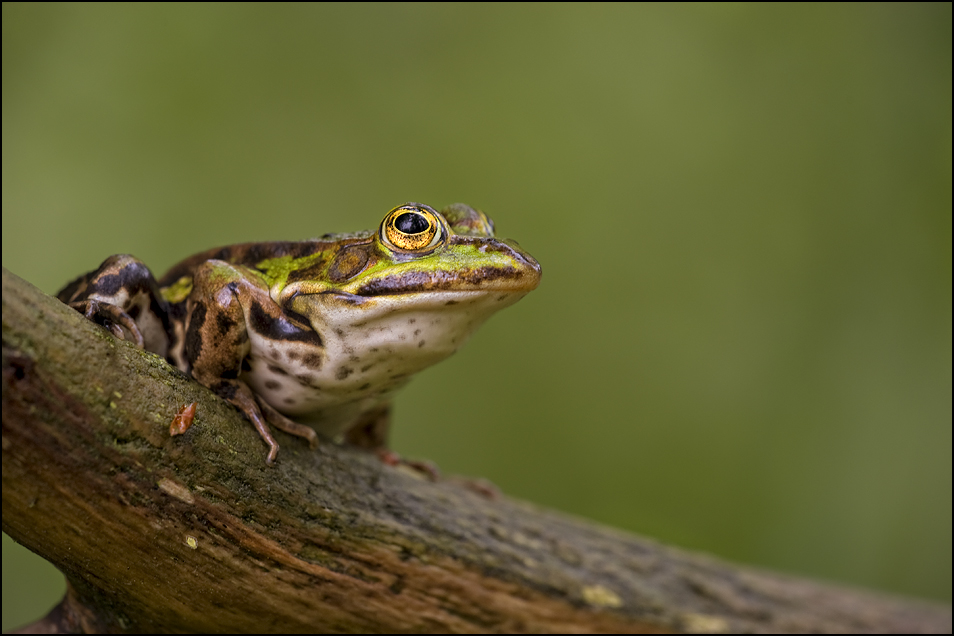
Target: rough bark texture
(196, 534)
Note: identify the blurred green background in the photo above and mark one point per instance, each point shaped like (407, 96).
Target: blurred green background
(742, 341)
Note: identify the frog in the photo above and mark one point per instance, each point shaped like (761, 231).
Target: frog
(315, 337)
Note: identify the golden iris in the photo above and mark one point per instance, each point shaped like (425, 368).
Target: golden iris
(411, 228)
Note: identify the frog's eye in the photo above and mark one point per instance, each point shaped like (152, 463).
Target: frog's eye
(411, 227)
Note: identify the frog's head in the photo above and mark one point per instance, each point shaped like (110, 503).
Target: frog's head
(422, 251)
(417, 287)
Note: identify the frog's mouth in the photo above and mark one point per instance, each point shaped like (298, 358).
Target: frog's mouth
(481, 279)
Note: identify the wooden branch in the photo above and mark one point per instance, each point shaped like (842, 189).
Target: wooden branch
(195, 533)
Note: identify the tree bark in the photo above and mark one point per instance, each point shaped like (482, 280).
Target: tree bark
(194, 533)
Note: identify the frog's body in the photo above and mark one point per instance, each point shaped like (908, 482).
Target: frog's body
(324, 331)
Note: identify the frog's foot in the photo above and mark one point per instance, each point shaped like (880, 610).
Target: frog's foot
(478, 485)
(110, 316)
(428, 470)
(241, 397)
(282, 423)
(370, 432)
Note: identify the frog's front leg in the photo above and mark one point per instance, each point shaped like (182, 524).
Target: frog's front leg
(217, 342)
(123, 296)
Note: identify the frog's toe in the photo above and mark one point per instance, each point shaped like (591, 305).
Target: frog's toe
(478, 485)
(112, 317)
(421, 468)
(282, 423)
(272, 454)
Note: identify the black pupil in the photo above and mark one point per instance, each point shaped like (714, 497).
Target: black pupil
(411, 223)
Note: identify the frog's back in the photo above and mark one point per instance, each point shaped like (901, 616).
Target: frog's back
(247, 254)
